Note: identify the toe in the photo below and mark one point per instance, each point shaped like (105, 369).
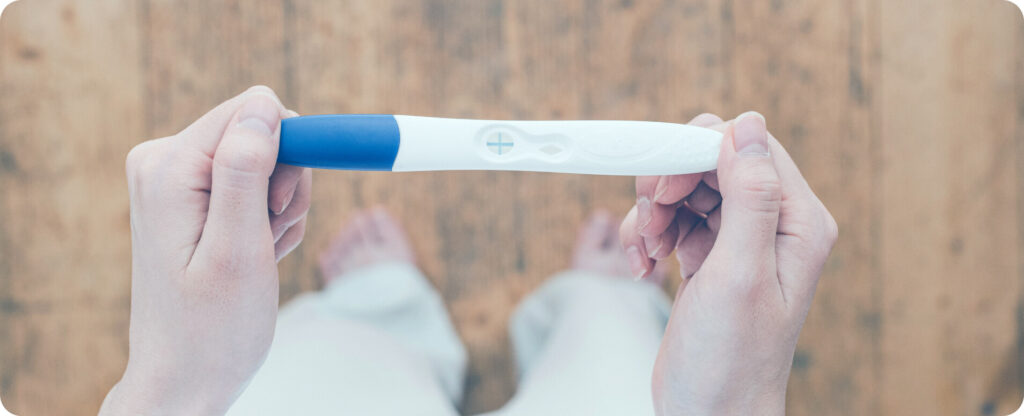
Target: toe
(332, 257)
(592, 237)
(365, 230)
(392, 235)
(594, 231)
(610, 240)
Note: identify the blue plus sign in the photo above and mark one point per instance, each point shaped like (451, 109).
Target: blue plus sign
(500, 145)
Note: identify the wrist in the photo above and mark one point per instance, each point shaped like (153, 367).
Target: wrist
(768, 406)
(134, 395)
(752, 398)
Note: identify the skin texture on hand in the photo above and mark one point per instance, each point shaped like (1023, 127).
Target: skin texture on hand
(211, 214)
(751, 239)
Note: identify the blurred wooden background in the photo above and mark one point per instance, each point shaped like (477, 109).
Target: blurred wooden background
(905, 116)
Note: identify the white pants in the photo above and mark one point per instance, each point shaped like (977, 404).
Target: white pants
(378, 341)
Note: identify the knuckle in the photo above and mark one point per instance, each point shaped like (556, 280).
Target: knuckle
(706, 119)
(156, 166)
(143, 165)
(260, 88)
(830, 231)
(254, 159)
(137, 157)
(265, 90)
(710, 117)
(819, 232)
(762, 193)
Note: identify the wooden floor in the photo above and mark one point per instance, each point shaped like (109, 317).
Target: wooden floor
(907, 117)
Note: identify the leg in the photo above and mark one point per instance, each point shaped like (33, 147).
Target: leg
(586, 341)
(377, 340)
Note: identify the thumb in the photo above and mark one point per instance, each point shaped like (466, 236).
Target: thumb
(751, 194)
(242, 165)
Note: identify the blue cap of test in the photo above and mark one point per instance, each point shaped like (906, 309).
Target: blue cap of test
(340, 141)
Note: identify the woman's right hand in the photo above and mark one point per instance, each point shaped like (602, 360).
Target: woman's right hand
(752, 239)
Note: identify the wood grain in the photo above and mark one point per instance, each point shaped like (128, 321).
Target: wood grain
(950, 293)
(905, 117)
(71, 90)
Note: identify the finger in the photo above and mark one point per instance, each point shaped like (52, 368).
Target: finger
(644, 199)
(659, 217)
(290, 240)
(658, 198)
(636, 253)
(672, 189)
(238, 226)
(693, 249)
(297, 210)
(206, 132)
(751, 197)
(714, 221)
(654, 218)
(704, 199)
(284, 181)
(686, 220)
(711, 179)
(692, 241)
(660, 246)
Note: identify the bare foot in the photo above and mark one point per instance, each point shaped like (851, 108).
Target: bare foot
(372, 236)
(598, 249)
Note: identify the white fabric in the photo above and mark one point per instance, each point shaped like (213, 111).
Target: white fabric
(378, 341)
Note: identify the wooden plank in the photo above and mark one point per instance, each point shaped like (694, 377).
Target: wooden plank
(1007, 385)
(830, 136)
(948, 231)
(69, 78)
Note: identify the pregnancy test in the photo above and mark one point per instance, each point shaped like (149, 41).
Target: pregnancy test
(409, 144)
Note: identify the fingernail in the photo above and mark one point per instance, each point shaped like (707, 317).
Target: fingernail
(259, 114)
(643, 212)
(653, 245)
(287, 200)
(683, 273)
(637, 262)
(660, 188)
(682, 264)
(750, 136)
